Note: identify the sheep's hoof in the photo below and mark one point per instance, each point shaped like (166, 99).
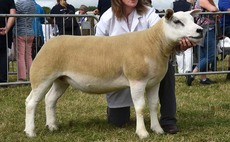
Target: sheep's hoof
(142, 134)
(158, 130)
(30, 134)
(52, 127)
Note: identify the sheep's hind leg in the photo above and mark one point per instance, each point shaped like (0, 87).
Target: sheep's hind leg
(56, 91)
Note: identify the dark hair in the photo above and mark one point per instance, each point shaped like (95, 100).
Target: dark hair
(117, 8)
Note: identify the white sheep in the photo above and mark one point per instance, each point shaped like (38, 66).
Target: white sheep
(138, 60)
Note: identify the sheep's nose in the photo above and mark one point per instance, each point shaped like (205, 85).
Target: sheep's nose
(199, 30)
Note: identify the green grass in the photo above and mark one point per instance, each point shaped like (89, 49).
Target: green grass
(203, 114)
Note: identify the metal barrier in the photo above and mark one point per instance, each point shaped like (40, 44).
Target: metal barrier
(221, 63)
(49, 33)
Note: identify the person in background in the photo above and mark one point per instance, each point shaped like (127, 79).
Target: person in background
(102, 6)
(71, 26)
(224, 5)
(129, 16)
(184, 59)
(207, 50)
(86, 23)
(83, 10)
(38, 33)
(24, 36)
(6, 7)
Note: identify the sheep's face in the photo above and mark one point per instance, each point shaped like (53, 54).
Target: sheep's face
(181, 24)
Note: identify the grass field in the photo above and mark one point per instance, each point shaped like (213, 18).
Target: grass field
(203, 114)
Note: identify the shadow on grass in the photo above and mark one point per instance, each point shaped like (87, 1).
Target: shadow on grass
(200, 119)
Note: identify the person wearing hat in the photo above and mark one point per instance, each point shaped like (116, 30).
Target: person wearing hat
(82, 11)
(86, 23)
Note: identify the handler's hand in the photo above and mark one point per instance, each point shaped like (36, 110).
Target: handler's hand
(184, 44)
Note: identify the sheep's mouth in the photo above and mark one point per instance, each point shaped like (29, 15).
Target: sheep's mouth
(196, 37)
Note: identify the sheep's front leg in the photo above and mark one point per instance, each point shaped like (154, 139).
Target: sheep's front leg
(152, 95)
(137, 92)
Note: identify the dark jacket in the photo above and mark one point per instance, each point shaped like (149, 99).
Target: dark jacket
(181, 5)
(69, 21)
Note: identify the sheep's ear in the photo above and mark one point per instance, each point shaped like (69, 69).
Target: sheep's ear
(195, 12)
(169, 14)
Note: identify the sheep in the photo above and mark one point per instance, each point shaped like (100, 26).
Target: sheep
(138, 60)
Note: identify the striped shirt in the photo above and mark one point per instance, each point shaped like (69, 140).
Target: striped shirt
(23, 25)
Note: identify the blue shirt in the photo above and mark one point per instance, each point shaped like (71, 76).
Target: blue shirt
(37, 23)
(223, 6)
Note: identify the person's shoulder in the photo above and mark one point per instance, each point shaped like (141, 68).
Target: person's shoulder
(41, 10)
(10, 1)
(71, 6)
(150, 11)
(55, 8)
(107, 15)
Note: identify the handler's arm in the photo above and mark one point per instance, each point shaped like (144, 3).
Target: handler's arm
(9, 24)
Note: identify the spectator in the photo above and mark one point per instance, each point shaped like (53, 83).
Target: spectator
(38, 33)
(6, 25)
(184, 59)
(6, 7)
(83, 11)
(102, 6)
(114, 22)
(86, 23)
(24, 36)
(71, 26)
(224, 5)
(207, 50)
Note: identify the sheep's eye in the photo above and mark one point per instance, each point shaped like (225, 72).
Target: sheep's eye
(178, 22)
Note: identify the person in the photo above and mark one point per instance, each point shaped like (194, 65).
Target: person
(6, 7)
(24, 36)
(102, 6)
(38, 33)
(224, 5)
(86, 23)
(71, 26)
(129, 16)
(184, 59)
(83, 10)
(207, 50)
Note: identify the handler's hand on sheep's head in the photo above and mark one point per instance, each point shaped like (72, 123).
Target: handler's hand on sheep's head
(184, 44)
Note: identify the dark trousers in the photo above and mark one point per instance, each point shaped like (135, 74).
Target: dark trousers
(167, 98)
(3, 65)
(36, 46)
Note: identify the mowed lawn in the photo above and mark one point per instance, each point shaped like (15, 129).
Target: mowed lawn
(203, 113)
